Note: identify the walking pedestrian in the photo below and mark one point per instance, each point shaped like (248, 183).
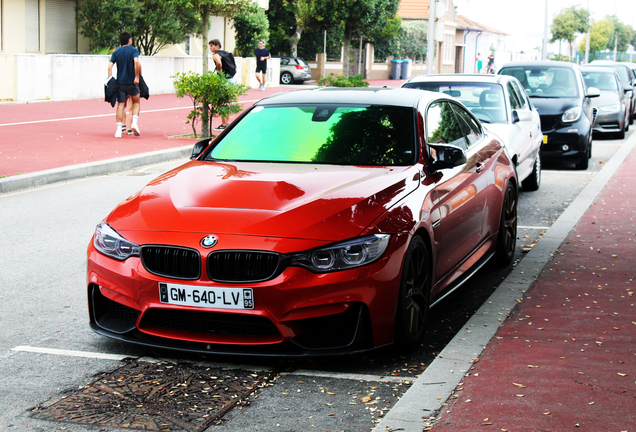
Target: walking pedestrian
(262, 54)
(225, 63)
(490, 67)
(480, 64)
(126, 57)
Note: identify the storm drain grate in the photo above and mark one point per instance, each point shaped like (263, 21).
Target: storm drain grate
(155, 397)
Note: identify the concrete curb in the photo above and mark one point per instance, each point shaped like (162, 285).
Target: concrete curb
(433, 388)
(40, 178)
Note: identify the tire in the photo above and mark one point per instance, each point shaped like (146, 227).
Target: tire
(286, 78)
(414, 296)
(584, 163)
(533, 181)
(621, 134)
(507, 236)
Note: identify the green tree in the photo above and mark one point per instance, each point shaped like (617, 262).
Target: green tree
(567, 23)
(250, 26)
(152, 23)
(204, 9)
(601, 34)
(355, 16)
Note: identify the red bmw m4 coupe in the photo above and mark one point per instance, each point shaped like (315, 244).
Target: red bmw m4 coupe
(320, 222)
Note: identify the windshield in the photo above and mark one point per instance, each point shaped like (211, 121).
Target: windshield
(485, 100)
(601, 80)
(545, 81)
(323, 134)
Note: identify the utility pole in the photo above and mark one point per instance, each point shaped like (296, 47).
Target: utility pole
(430, 38)
(544, 49)
(587, 38)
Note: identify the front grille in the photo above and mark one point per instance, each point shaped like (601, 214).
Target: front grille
(209, 323)
(242, 266)
(172, 262)
(549, 122)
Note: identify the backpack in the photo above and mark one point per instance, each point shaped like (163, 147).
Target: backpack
(228, 66)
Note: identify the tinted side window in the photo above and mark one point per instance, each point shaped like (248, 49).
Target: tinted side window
(443, 127)
(522, 96)
(512, 95)
(470, 128)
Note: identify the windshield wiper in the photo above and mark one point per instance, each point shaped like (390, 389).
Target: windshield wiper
(544, 96)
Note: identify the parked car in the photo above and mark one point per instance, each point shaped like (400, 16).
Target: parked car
(294, 70)
(319, 222)
(502, 105)
(628, 80)
(558, 92)
(612, 106)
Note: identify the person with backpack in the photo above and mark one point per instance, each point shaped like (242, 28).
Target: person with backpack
(225, 63)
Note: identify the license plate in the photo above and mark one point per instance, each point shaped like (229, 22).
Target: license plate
(545, 139)
(220, 298)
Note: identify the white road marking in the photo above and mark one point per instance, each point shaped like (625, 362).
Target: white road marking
(533, 227)
(102, 115)
(86, 354)
(302, 372)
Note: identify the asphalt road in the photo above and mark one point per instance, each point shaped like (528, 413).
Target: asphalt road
(45, 232)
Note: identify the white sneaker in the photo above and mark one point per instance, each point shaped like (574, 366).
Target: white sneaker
(263, 87)
(135, 129)
(118, 133)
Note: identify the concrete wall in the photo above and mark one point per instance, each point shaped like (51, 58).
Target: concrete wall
(33, 77)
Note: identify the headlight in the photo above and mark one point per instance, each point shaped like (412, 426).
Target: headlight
(110, 243)
(571, 115)
(610, 108)
(344, 255)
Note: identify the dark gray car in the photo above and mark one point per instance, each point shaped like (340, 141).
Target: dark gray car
(612, 106)
(627, 79)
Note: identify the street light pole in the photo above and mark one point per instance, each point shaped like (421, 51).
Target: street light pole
(544, 50)
(430, 38)
(587, 38)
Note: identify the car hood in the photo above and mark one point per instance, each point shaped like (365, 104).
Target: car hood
(320, 202)
(606, 98)
(554, 106)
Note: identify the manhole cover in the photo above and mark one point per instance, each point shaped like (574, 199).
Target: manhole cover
(155, 397)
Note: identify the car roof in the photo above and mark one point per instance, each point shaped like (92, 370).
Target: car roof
(359, 95)
(549, 63)
(595, 68)
(478, 78)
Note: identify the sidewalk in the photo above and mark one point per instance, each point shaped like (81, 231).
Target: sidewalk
(564, 359)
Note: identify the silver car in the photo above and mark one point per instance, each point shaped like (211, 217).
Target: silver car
(613, 105)
(294, 70)
(502, 105)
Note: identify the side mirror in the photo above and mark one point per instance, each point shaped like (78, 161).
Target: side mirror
(521, 115)
(628, 89)
(199, 147)
(593, 92)
(446, 156)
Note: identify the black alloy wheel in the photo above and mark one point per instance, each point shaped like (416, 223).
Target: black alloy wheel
(414, 295)
(507, 237)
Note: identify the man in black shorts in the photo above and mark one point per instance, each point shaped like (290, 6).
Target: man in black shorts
(262, 54)
(126, 58)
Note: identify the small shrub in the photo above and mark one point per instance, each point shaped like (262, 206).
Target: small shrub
(212, 89)
(334, 80)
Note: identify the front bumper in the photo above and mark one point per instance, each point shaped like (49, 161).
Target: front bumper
(567, 142)
(297, 313)
(608, 122)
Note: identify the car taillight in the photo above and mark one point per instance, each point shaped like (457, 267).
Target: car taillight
(299, 67)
